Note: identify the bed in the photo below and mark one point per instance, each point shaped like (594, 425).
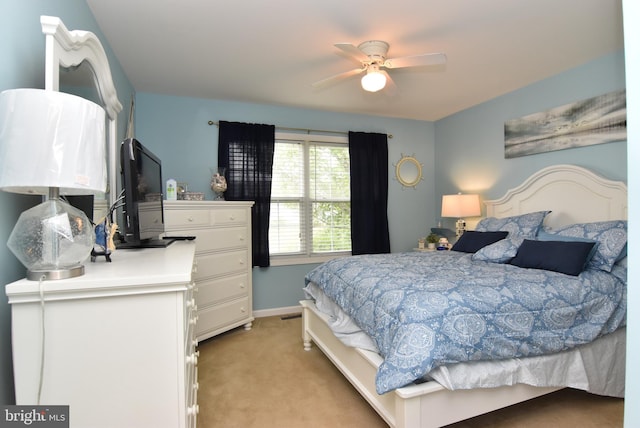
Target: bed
(567, 195)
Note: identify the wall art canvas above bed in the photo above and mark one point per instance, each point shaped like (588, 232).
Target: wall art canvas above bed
(596, 120)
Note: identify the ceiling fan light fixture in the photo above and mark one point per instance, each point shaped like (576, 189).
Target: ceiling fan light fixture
(374, 80)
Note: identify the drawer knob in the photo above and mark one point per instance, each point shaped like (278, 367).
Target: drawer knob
(241, 261)
(232, 218)
(242, 285)
(243, 310)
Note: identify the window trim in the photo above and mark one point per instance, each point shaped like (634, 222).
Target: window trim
(303, 259)
(307, 257)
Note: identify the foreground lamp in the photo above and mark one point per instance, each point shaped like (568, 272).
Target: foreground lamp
(459, 206)
(374, 80)
(52, 144)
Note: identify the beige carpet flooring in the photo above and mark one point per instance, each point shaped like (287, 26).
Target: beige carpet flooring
(264, 378)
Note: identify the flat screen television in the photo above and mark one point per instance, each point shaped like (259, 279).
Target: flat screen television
(143, 216)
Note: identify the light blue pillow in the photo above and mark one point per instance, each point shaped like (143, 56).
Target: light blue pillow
(525, 225)
(499, 252)
(611, 237)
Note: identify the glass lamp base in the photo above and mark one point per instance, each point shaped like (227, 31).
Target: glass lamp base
(52, 240)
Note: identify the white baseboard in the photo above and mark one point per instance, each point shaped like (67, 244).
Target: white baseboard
(261, 313)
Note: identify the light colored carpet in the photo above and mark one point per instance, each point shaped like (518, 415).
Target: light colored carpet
(264, 378)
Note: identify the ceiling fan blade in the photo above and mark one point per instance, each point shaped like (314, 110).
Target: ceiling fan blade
(416, 60)
(336, 78)
(352, 51)
(390, 88)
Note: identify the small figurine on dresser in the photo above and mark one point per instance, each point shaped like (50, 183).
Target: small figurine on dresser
(104, 246)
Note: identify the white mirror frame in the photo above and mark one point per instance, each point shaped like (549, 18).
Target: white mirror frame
(409, 171)
(64, 48)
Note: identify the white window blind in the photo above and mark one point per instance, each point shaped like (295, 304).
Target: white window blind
(310, 196)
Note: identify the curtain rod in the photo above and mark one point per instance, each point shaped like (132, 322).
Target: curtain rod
(308, 131)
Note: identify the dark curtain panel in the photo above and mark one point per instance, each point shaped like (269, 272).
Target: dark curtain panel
(369, 160)
(246, 151)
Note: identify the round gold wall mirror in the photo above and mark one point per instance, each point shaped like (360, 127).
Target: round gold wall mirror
(408, 171)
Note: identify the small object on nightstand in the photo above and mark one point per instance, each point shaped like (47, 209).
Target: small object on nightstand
(443, 244)
(432, 240)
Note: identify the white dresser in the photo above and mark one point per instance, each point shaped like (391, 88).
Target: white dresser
(119, 347)
(223, 256)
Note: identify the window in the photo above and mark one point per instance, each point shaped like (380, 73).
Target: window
(310, 198)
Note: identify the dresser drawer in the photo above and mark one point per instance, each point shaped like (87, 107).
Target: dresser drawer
(218, 316)
(221, 238)
(225, 216)
(187, 218)
(222, 289)
(182, 219)
(210, 265)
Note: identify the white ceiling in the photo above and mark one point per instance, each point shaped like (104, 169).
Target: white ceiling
(271, 52)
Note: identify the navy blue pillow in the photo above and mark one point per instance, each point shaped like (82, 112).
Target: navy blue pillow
(559, 256)
(471, 241)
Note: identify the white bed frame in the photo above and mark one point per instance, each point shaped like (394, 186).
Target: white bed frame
(574, 195)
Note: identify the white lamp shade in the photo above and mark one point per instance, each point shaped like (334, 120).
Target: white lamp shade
(373, 81)
(459, 206)
(51, 139)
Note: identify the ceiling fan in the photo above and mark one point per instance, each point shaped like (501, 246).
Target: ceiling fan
(372, 55)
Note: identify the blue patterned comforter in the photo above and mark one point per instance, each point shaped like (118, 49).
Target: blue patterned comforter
(425, 310)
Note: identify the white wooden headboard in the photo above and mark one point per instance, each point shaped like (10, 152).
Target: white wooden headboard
(572, 193)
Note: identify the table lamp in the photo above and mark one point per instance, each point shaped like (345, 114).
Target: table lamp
(459, 206)
(51, 144)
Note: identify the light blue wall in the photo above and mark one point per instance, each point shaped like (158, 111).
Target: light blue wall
(22, 52)
(470, 144)
(176, 130)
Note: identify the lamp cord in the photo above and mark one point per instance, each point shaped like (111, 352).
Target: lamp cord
(42, 330)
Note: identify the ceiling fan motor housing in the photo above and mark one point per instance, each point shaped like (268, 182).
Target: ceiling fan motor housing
(375, 49)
